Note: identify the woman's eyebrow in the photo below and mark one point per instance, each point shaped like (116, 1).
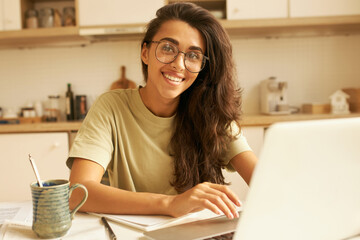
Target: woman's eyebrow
(170, 40)
(177, 43)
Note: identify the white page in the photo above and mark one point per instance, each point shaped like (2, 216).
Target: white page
(152, 222)
(11, 230)
(17, 211)
(144, 222)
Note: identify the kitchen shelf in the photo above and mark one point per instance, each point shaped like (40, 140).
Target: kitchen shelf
(257, 28)
(247, 121)
(293, 27)
(207, 4)
(267, 120)
(40, 127)
(41, 37)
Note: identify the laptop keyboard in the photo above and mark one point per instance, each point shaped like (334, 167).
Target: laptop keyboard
(226, 236)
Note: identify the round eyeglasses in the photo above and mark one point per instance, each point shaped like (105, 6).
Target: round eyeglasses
(167, 52)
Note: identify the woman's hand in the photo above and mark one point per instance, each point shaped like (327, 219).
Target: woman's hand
(215, 197)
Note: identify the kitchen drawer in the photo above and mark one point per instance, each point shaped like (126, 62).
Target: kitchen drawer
(318, 8)
(256, 9)
(50, 151)
(112, 12)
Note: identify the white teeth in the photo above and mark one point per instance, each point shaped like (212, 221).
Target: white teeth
(175, 79)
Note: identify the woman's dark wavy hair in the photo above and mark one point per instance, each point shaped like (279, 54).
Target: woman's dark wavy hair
(208, 107)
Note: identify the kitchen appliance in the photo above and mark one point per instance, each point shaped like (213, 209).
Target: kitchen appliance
(273, 97)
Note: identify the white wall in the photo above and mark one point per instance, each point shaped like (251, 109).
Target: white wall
(314, 68)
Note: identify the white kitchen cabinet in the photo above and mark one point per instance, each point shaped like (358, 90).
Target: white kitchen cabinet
(11, 14)
(255, 138)
(114, 12)
(1, 15)
(256, 9)
(319, 8)
(50, 151)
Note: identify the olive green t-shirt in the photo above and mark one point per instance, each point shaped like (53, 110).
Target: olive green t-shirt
(131, 143)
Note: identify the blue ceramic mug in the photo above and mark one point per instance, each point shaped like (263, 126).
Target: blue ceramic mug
(51, 214)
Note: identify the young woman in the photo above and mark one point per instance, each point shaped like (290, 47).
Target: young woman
(164, 144)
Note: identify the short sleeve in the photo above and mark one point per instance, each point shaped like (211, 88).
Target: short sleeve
(237, 146)
(93, 140)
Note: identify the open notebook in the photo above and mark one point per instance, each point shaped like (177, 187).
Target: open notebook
(153, 222)
(306, 185)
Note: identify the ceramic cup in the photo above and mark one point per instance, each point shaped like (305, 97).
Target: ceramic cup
(51, 214)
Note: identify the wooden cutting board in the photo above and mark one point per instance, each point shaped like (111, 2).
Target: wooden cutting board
(123, 82)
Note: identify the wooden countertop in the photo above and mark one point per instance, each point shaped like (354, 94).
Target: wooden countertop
(40, 127)
(247, 121)
(267, 120)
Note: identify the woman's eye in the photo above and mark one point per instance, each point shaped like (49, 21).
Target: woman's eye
(167, 48)
(193, 55)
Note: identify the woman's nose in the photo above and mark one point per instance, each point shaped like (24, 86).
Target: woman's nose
(179, 62)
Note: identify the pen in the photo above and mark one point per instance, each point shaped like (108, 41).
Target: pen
(35, 170)
(108, 228)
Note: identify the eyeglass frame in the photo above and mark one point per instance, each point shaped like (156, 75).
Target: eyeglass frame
(203, 60)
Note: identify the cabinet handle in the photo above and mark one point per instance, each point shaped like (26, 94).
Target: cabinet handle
(56, 144)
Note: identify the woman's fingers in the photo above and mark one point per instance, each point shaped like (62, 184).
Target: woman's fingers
(230, 194)
(216, 198)
(220, 196)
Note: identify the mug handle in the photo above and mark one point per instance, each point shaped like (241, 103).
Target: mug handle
(78, 185)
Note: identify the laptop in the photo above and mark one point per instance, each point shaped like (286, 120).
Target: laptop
(306, 185)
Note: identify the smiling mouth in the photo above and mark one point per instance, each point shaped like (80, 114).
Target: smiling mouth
(173, 79)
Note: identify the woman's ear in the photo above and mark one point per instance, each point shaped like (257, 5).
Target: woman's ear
(145, 54)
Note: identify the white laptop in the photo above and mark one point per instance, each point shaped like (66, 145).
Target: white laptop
(306, 186)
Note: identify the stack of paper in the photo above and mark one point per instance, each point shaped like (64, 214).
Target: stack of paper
(17, 211)
(16, 217)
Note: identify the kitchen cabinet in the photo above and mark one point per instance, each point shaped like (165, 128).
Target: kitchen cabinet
(256, 9)
(216, 7)
(255, 138)
(50, 151)
(11, 14)
(112, 12)
(100, 20)
(40, 37)
(1, 16)
(317, 8)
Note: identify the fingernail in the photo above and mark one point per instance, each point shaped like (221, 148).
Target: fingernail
(237, 214)
(231, 216)
(239, 203)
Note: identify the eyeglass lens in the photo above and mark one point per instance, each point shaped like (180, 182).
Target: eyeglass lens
(167, 53)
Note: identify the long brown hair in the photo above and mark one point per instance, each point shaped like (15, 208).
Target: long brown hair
(208, 107)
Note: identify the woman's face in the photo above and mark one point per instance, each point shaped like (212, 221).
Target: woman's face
(168, 81)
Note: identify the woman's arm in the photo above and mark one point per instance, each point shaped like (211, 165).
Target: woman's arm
(244, 163)
(106, 199)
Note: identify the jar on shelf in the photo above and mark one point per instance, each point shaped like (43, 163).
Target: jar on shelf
(46, 17)
(52, 112)
(31, 17)
(69, 16)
